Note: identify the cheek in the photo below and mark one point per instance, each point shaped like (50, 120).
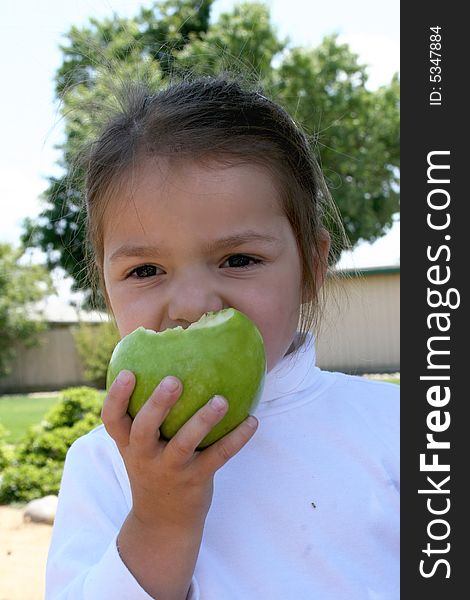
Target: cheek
(277, 319)
(128, 312)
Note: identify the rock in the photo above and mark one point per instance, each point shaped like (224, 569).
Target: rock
(41, 510)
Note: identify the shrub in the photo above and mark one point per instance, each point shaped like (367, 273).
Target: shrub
(23, 482)
(35, 469)
(6, 453)
(95, 344)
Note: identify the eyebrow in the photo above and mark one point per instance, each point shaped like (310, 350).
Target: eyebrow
(231, 241)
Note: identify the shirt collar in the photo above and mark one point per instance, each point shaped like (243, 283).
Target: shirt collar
(294, 373)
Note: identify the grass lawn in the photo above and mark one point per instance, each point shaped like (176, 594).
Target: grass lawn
(387, 377)
(17, 413)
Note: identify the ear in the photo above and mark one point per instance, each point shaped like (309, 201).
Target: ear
(321, 267)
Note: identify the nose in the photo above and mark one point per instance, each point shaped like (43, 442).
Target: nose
(190, 297)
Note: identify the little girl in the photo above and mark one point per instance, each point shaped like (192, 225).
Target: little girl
(201, 197)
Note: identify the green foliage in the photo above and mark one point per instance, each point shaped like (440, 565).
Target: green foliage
(25, 482)
(354, 131)
(20, 286)
(6, 454)
(35, 469)
(95, 344)
(241, 42)
(74, 406)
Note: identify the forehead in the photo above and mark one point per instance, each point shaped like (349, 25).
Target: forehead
(170, 196)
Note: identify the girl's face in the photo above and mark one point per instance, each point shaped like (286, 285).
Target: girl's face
(181, 241)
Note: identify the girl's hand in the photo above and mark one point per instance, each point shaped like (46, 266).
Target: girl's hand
(171, 481)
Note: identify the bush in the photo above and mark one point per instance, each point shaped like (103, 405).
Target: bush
(22, 483)
(6, 453)
(35, 470)
(95, 344)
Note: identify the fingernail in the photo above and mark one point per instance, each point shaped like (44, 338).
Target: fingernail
(170, 384)
(252, 422)
(124, 377)
(218, 402)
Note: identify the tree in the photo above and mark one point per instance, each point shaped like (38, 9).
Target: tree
(354, 131)
(20, 286)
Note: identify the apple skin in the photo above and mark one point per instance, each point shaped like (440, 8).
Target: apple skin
(227, 359)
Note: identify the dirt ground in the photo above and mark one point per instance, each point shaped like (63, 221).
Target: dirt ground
(23, 553)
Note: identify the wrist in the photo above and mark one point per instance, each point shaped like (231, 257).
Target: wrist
(161, 558)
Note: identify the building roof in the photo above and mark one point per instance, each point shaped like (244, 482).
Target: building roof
(367, 271)
(54, 309)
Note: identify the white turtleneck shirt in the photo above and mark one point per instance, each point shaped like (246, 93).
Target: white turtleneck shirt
(307, 510)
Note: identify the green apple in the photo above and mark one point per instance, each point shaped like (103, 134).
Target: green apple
(222, 353)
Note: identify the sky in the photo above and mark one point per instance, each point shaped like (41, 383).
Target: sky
(31, 33)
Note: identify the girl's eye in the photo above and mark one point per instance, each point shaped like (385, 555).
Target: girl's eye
(240, 261)
(143, 271)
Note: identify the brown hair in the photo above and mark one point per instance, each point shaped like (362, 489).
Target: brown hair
(215, 118)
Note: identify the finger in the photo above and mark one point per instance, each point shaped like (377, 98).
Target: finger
(183, 444)
(114, 412)
(215, 456)
(145, 428)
